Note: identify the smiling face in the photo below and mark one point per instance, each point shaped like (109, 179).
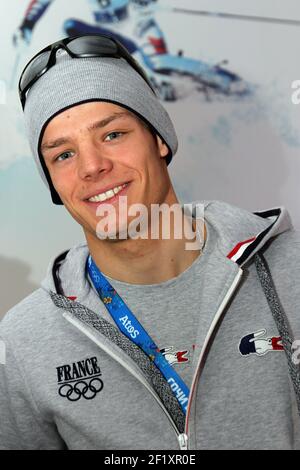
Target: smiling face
(96, 147)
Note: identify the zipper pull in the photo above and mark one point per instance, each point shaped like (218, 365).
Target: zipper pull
(183, 441)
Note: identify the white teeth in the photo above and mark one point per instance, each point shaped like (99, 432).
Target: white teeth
(110, 193)
(107, 195)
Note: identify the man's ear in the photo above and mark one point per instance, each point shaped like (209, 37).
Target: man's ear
(162, 147)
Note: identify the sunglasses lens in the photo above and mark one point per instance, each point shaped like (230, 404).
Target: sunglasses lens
(93, 45)
(34, 68)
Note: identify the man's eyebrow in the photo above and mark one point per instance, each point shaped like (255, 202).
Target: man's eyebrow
(96, 125)
(52, 144)
(105, 121)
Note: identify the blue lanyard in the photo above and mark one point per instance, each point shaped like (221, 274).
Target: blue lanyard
(131, 327)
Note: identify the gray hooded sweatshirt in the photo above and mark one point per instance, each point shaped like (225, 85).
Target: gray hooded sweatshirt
(69, 379)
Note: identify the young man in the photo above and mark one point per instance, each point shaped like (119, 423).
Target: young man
(138, 342)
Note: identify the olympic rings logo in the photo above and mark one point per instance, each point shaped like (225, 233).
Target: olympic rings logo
(74, 392)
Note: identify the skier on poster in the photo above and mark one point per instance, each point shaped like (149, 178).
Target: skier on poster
(133, 23)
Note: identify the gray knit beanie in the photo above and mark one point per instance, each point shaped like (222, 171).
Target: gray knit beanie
(73, 81)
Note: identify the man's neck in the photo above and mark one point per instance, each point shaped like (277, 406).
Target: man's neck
(145, 261)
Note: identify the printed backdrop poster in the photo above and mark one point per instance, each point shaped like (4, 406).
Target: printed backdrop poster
(224, 72)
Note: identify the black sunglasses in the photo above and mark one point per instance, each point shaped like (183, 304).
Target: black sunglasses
(90, 45)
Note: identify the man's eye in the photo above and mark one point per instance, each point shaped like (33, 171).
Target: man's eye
(113, 136)
(63, 156)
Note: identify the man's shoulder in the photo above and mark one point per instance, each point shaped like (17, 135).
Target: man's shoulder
(36, 313)
(282, 255)
(284, 249)
(27, 316)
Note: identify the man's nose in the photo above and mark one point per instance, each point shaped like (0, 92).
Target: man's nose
(92, 162)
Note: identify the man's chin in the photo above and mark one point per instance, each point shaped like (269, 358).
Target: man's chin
(113, 236)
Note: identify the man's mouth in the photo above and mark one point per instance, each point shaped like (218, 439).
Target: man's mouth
(107, 195)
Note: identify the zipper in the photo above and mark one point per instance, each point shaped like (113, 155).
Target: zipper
(213, 325)
(181, 437)
(183, 441)
(78, 324)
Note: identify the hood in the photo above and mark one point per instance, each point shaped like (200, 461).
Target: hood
(240, 235)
